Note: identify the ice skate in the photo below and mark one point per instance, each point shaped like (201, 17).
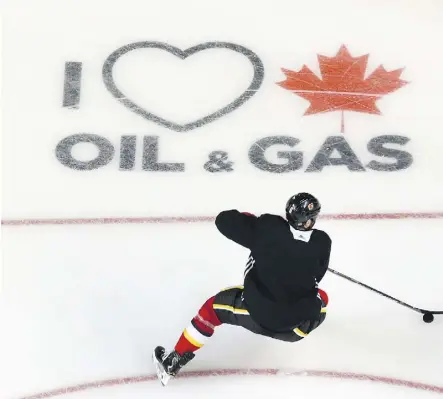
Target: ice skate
(168, 365)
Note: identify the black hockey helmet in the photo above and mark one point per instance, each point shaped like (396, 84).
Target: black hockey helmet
(302, 210)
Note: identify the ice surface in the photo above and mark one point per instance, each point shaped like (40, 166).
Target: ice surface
(89, 303)
(84, 305)
(256, 387)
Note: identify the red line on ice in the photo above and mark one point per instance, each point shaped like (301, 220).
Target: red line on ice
(198, 219)
(239, 372)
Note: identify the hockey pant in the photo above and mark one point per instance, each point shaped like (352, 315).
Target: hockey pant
(228, 307)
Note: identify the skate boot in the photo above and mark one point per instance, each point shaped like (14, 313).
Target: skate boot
(168, 365)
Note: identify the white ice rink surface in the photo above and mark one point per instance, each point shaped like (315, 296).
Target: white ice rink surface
(83, 305)
(88, 303)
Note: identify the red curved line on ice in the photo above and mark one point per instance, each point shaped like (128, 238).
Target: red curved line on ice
(236, 372)
(199, 219)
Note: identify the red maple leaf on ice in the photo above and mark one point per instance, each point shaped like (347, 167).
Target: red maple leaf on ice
(343, 86)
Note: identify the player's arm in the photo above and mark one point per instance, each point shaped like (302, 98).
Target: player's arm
(325, 245)
(237, 226)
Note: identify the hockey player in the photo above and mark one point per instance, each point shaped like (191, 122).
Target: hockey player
(280, 297)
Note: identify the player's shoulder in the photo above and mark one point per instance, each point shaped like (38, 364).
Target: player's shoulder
(321, 235)
(271, 218)
(268, 222)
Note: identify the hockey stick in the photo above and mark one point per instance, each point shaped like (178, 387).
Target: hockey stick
(428, 314)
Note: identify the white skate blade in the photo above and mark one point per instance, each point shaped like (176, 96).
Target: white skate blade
(162, 375)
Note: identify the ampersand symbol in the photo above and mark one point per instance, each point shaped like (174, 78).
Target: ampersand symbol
(218, 162)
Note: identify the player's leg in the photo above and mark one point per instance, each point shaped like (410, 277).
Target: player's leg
(200, 329)
(231, 308)
(226, 307)
(194, 336)
(306, 327)
(210, 316)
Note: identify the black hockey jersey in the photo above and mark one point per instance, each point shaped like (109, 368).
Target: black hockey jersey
(283, 270)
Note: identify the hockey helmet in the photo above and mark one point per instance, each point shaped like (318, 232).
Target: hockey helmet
(302, 210)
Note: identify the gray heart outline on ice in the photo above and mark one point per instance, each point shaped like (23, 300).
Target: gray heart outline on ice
(108, 79)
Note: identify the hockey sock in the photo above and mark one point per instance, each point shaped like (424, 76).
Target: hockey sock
(201, 328)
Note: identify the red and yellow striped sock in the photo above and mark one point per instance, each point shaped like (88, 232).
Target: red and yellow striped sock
(201, 328)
